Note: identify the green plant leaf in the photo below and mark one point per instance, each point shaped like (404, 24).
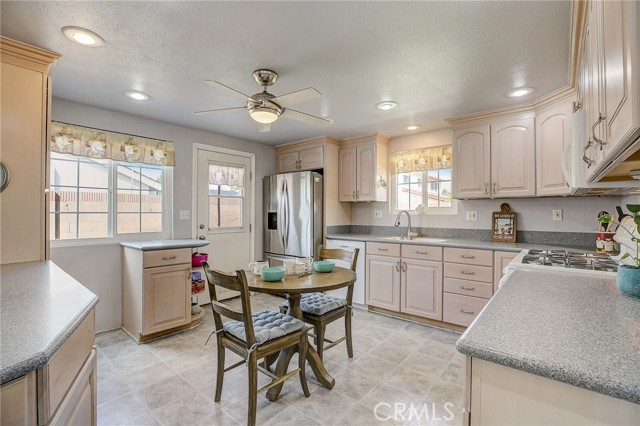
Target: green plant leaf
(624, 256)
(605, 218)
(636, 219)
(633, 208)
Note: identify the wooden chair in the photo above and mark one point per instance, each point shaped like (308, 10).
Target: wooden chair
(320, 310)
(253, 337)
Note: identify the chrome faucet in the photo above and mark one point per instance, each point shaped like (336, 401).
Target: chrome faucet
(408, 236)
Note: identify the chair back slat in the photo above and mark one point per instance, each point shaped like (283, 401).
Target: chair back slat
(339, 254)
(236, 282)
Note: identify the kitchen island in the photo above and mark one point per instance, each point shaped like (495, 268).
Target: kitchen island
(554, 348)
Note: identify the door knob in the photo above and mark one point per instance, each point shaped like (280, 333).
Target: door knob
(201, 237)
(201, 226)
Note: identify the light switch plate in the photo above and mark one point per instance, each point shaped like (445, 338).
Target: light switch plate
(377, 214)
(184, 214)
(557, 214)
(472, 215)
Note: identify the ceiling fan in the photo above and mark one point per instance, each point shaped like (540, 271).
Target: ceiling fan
(266, 108)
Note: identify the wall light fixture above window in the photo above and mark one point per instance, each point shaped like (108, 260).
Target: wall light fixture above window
(83, 36)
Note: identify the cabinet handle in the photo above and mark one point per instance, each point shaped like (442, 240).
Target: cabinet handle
(466, 256)
(467, 288)
(596, 139)
(397, 266)
(404, 267)
(586, 159)
(486, 189)
(494, 188)
(467, 273)
(462, 311)
(169, 257)
(422, 252)
(381, 249)
(357, 194)
(353, 194)
(189, 272)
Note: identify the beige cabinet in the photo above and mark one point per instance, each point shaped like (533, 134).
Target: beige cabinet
(501, 260)
(553, 135)
(421, 288)
(25, 105)
(18, 404)
(495, 160)
(79, 405)
(383, 282)
(363, 169)
(303, 159)
(156, 291)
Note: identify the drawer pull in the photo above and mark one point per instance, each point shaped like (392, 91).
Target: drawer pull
(169, 257)
(422, 252)
(467, 288)
(466, 256)
(467, 273)
(381, 249)
(462, 311)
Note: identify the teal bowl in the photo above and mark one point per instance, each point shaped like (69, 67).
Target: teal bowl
(323, 265)
(275, 273)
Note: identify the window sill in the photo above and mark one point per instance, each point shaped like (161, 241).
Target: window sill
(110, 240)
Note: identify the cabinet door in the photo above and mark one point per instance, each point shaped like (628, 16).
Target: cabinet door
(167, 298)
(79, 405)
(592, 104)
(513, 153)
(383, 282)
(366, 172)
(553, 134)
(472, 163)
(311, 159)
(501, 260)
(421, 288)
(347, 174)
(288, 162)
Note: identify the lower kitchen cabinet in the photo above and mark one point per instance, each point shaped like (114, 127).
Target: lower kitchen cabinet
(383, 282)
(421, 288)
(461, 310)
(501, 260)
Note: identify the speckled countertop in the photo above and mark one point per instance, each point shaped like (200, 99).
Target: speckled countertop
(164, 244)
(450, 242)
(576, 329)
(40, 306)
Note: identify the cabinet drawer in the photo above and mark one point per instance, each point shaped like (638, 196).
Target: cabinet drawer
(166, 257)
(468, 288)
(411, 251)
(461, 310)
(468, 272)
(384, 249)
(55, 377)
(469, 256)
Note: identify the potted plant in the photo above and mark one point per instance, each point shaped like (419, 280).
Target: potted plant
(628, 277)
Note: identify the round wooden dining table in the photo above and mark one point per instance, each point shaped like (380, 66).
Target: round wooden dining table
(294, 287)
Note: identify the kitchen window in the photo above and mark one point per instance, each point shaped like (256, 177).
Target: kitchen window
(95, 199)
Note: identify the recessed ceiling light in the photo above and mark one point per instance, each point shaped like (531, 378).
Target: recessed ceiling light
(386, 105)
(412, 127)
(520, 91)
(138, 96)
(83, 36)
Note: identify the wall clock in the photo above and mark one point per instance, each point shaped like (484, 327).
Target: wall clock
(4, 176)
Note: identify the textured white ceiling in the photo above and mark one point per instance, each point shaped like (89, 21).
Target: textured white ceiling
(436, 59)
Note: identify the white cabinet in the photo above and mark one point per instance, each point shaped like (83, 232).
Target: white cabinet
(496, 160)
(553, 134)
(302, 159)
(363, 169)
(383, 282)
(421, 288)
(156, 291)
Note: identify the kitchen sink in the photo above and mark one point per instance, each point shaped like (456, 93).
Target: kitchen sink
(418, 239)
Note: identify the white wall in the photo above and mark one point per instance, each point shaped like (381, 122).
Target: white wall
(533, 214)
(99, 267)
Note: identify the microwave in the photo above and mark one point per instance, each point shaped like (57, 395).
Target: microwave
(575, 171)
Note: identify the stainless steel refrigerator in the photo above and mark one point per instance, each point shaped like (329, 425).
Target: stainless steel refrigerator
(292, 215)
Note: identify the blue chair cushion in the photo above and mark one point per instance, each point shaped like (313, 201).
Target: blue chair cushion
(267, 325)
(318, 303)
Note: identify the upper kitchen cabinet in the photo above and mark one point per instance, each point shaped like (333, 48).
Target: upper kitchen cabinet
(25, 109)
(496, 159)
(553, 134)
(293, 159)
(363, 168)
(612, 66)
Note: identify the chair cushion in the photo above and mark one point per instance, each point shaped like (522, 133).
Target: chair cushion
(318, 303)
(267, 325)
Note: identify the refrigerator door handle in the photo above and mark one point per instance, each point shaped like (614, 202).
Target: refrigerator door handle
(286, 215)
(281, 224)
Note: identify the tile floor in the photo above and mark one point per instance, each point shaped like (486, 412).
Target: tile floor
(171, 381)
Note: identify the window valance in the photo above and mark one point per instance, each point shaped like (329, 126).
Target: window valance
(94, 143)
(222, 174)
(438, 157)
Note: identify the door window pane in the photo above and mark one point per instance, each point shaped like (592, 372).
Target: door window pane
(226, 196)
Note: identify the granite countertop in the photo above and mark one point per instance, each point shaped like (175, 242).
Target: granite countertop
(164, 244)
(452, 242)
(40, 307)
(576, 329)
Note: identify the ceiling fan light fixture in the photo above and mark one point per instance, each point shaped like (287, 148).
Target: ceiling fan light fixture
(386, 105)
(264, 115)
(83, 36)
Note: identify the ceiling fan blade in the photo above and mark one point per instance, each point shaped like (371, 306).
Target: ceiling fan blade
(216, 110)
(264, 127)
(307, 118)
(228, 90)
(297, 97)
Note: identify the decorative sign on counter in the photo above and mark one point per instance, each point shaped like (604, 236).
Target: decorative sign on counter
(503, 225)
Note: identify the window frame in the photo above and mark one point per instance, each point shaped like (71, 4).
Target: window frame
(428, 211)
(114, 237)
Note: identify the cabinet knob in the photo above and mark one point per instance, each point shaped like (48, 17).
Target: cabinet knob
(486, 188)
(201, 237)
(494, 188)
(201, 226)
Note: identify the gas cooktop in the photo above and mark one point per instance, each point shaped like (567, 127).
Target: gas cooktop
(571, 259)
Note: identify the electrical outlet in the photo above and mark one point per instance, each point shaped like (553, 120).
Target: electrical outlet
(377, 214)
(184, 214)
(557, 214)
(472, 215)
